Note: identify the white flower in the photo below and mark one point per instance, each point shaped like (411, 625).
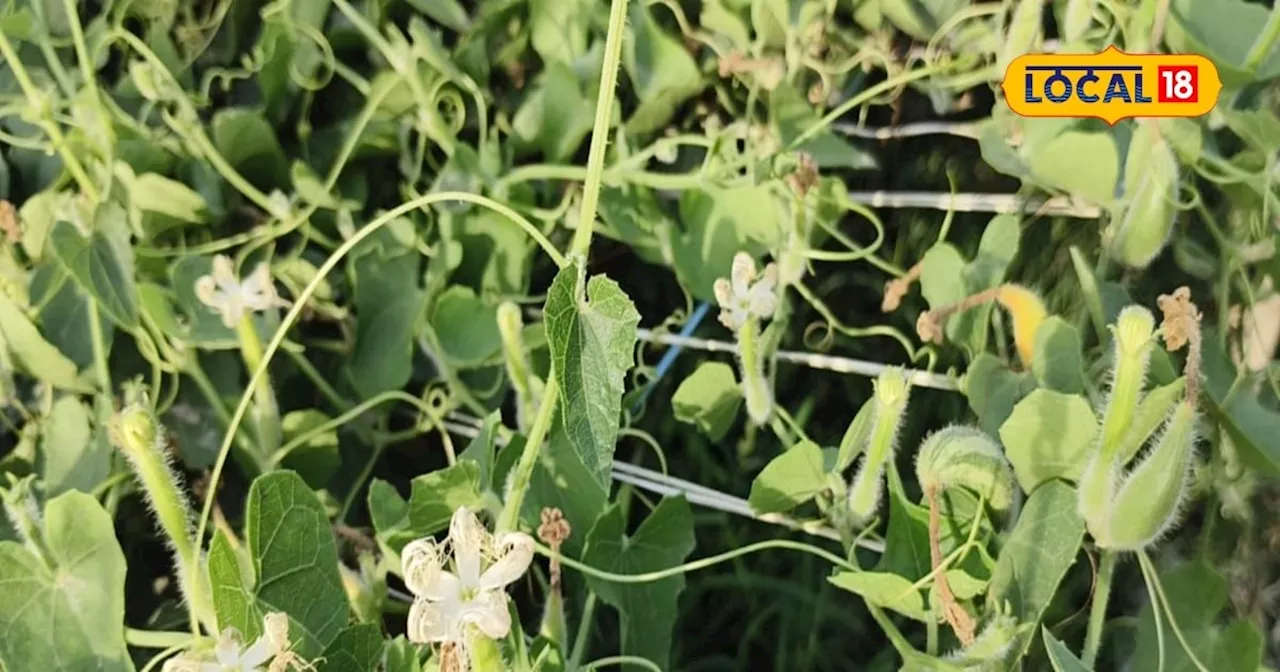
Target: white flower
(268, 653)
(450, 606)
(742, 296)
(230, 298)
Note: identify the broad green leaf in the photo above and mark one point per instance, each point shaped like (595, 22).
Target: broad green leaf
(920, 19)
(790, 479)
(558, 113)
(561, 480)
(710, 398)
(1059, 655)
(907, 537)
(790, 114)
(316, 459)
(884, 589)
(1259, 128)
(38, 215)
(435, 496)
(389, 513)
(718, 223)
(1225, 31)
(941, 269)
(1084, 164)
(293, 566)
(448, 13)
(165, 203)
(32, 354)
(1037, 554)
(1250, 425)
(65, 310)
(1000, 241)
(101, 264)
(662, 72)
(1048, 436)
(1196, 594)
(65, 611)
(388, 302)
(248, 143)
(466, 327)
(1147, 208)
(1058, 364)
(592, 339)
(355, 649)
(400, 655)
(74, 459)
(646, 611)
(558, 29)
(496, 257)
(481, 450)
(993, 389)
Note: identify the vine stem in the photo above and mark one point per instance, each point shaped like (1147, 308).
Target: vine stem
(510, 516)
(600, 129)
(1098, 610)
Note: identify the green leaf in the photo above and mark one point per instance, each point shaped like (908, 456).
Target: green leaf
(886, 590)
(789, 480)
(1197, 594)
(646, 611)
(248, 143)
(448, 13)
(401, 656)
(388, 302)
(74, 459)
(293, 566)
(920, 19)
(1250, 425)
(389, 513)
(719, 223)
(1085, 164)
(561, 480)
(355, 649)
(940, 267)
(32, 354)
(65, 611)
(710, 398)
(101, 264)
(466, 327)
(1059, 655)
(496, 257)
(592, 346)
(65, 310)
(662, 72)
(558, 30)
(435, 496)
(558, 114)
(165, 203)
(1225, 31)
(1048, 435)
(1037, 554)
(790, 114)
(1057, 363)
(907, 537)
(993, 389)
(481, 450)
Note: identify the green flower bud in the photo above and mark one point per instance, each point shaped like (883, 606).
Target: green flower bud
(892, 391)
(1149, 499)
(1141, 227)
(994, 642)
(965, 457)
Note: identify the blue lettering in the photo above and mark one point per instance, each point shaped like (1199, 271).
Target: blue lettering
(1057, 78)
(1117, 89)
(1031, 92)
(1088, 78)
(1137, 91)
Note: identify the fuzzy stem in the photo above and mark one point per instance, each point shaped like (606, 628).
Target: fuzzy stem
(1098, 610)
(523, 474)
(485, 654)
(509, 327)
(266, 411)
(755, 388)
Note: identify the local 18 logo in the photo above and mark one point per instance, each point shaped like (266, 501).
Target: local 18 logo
(1111, 85)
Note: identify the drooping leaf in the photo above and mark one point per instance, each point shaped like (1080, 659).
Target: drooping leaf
(466, 327)
(65, 611)
(646, 610)
(790, 479)
(34, 355)
(710, 398)
(591, 332)
(1048, 435)
(885, 589)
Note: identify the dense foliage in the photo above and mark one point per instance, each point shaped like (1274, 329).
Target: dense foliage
(563, 334)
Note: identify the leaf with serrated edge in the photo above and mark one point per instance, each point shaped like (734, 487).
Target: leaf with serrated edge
(592, 348)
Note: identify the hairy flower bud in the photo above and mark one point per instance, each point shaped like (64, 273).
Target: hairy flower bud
(892, 391)
(966, 457)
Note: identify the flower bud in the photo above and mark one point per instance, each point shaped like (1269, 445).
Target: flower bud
(965, 457)
(892, 391)
(1141, 228)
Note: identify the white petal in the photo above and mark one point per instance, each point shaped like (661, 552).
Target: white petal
(229, 646)
(183, 664)
(232, 312)
(428, 623)
(208, 293)
(275, 631)
(489, 613)
(224, 272)
(469, 539)
(515, 552)
(257, 654)
(421, 563)
(742, 273)
(724, 292)
(258, 290)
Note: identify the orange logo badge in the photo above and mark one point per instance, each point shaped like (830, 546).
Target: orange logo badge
(1111, 85)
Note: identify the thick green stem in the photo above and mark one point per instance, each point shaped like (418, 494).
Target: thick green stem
(1098, 611)
(510, 517)
(485, 654)
(600, 129)
(265, 409)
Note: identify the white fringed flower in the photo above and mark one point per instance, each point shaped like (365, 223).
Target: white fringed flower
(743, 296)
(230, 298)
(269, 653)
(451, 606)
